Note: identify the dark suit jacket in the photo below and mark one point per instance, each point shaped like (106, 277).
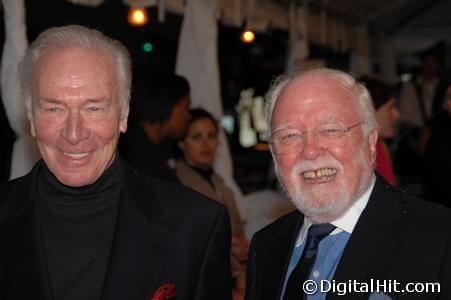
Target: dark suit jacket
(164, 233)
(397, 237)
(142, 154)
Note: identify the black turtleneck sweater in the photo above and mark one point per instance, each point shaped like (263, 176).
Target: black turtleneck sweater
(78, 226)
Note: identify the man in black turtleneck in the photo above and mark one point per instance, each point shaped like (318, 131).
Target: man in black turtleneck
(83, 224)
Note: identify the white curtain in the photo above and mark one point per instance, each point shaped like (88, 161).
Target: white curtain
(140, 3)
(298, 40)
(87, 2)
(24, 150)
(198, 62)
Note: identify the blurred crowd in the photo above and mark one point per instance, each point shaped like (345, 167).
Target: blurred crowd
(421, 140)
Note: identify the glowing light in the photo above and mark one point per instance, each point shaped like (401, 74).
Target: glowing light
(247, 37)
(138, 16)
(147, 47)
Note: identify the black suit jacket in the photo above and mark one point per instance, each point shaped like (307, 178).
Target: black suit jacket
(164, 233)
(397, 237)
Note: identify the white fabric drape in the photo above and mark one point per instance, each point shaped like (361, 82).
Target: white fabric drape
(24, 150)
(87, 2)
(298, 40)
(140, 3)
(198, 62)
(161, 11)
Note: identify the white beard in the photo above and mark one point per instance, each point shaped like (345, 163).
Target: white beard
(320, 203)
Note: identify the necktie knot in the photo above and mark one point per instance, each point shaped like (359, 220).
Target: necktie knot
(320, 230)
(316, 233)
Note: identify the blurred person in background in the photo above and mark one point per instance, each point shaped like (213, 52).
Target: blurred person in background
(195, 170)
(159, 116)
(387, 114)
(437, 169)
(416, 106)
(416, 103)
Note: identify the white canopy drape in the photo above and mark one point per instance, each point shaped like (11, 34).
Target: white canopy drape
(24, 150)
(198, 62)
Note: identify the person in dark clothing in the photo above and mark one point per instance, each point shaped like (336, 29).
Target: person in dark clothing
(83, 224)
(417, 107)
(159, 116)
(437, 168)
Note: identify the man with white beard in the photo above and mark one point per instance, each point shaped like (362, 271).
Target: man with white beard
(353, 234)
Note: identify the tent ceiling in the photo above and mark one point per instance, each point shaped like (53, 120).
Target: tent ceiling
(392, 17)
(389, 16)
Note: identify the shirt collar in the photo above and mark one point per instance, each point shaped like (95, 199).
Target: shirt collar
(347, 221)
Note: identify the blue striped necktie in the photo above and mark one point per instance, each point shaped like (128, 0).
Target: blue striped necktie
(303, 268)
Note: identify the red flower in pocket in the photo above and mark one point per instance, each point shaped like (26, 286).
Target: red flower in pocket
(165, 292)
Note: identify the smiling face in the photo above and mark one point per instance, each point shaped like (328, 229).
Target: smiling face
(76, 114)
(199, 145)
(322, 178)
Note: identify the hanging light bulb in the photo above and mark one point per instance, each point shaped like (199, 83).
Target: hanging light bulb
(247, 37)
(138, 16)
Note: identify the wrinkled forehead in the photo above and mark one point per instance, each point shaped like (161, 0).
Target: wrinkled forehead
(74, 58)
(314, 99)
(70, 67)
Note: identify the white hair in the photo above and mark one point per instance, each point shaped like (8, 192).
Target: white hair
(75, 36)
(357, 90)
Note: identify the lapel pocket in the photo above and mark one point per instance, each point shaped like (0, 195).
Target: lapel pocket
(165, 292)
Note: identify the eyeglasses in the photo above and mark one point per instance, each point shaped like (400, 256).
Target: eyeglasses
(288, 141)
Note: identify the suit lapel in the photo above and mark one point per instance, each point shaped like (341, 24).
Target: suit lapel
(138, 248)
(28, 275)
(277, 257)
(373, 239)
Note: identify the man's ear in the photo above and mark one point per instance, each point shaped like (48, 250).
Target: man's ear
(31, 121)
(372, 141)
(32, 129)
(124, 120)
(123, 124)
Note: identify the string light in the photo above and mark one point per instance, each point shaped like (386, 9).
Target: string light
(138, 16)
(247, 37)
(147, 47)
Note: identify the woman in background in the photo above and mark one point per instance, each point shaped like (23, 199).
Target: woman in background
(383, 96)
(195, 170)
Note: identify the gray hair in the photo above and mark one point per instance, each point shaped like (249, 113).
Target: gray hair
(359, 91)
(75, 36)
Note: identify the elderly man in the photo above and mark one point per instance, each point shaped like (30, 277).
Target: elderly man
(82, 224)
(351, 228)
